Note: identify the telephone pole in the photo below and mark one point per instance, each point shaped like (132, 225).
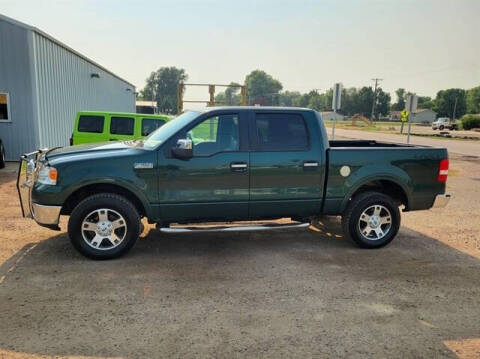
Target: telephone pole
(374, 97)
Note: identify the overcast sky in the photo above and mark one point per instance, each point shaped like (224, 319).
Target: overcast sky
(423, 46)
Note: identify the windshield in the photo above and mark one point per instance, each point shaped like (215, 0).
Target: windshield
(162, 134)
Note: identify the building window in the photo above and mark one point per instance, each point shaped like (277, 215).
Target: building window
(5, 107)
(93, 124)
(122, 125)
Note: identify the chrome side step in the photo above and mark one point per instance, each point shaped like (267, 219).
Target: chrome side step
(233, 228)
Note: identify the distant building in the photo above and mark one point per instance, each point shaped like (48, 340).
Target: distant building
(330, 115)
(421, 115)
(149, 107)
(44, 83)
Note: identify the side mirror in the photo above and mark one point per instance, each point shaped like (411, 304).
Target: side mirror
(183, 150)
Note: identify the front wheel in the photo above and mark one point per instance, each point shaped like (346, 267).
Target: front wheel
(104, 226)
(371, 220)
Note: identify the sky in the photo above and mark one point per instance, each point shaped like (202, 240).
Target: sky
(420, 45)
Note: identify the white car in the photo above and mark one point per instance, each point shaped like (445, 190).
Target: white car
(445, 123)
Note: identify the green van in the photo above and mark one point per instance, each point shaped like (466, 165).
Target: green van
(100, 126)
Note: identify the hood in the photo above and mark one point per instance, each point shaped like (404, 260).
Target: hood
(93, 149)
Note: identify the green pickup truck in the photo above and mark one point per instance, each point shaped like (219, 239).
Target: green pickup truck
(229, 164)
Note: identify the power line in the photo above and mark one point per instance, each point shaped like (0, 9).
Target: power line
(374, 97)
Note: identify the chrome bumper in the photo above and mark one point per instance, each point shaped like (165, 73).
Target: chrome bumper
(46, 215)
(441, 200)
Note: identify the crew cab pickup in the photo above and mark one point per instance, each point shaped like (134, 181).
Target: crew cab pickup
(229, 164)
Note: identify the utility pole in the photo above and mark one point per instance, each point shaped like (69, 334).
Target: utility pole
(455, 109)
(374, 104)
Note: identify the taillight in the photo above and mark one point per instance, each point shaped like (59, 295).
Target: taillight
(443, 171)
(71, 140)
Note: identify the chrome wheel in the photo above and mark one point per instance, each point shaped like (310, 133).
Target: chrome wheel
(375, 222)
(104, 229)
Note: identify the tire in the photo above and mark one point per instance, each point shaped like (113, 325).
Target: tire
(441, 127)
(104, 226)
(2, 156)
(365, 206)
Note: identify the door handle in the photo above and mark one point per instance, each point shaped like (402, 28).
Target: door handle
(238, 166)
(310, 165)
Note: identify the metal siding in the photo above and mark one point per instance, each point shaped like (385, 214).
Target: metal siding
(64, 87)
(18, 136)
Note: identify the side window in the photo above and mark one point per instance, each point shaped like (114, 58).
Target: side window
(215, 134)
(122, 125)
(92, 124)
(150, 124)
(4, 107)
(281, 132)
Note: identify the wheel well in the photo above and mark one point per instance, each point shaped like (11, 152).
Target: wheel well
(79, 195)
(387, 187)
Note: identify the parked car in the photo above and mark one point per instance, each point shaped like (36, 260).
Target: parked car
(2, 154)
(445, 123)
(114, 126)
(227, 164)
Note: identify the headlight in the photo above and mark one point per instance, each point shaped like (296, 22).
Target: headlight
(47, 175)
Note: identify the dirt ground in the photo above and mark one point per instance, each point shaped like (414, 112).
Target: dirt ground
(287, 293)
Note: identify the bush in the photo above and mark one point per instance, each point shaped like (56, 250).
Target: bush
(470, 121)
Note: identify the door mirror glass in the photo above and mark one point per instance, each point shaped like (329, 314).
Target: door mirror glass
(184, 149)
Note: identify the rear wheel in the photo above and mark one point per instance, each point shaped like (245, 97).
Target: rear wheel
(104, 226)
(371, 220)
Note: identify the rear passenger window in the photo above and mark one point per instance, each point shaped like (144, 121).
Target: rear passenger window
(122, 125)
(281, 132)
(149, 125)
(93, 124)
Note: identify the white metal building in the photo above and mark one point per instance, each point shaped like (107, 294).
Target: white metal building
(330, 115)
(44, 83)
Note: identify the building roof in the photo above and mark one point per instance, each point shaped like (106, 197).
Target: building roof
(59, 43)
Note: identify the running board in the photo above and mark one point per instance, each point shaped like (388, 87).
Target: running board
(233, 228)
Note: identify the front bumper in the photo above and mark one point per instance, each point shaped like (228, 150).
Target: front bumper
(441, 200)
(47, 216)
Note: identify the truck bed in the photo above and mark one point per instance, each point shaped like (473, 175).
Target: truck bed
(366, 143)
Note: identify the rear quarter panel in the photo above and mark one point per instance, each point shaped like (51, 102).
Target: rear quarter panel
(414, 169)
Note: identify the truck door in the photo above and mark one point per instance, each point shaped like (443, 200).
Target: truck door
(286, 165)
(213, 184)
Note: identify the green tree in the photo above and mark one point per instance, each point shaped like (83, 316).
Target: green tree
(365, 100)
(230, 97)
(445, 103)
(473, 100)
(289, 98)
(425, 102)
(262, 88)
(383, 103)
(161, 86)
(400, 104)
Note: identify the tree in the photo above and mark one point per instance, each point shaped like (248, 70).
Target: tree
(473, 100)
(161, 86)
(400, 104)
(365, 100)
(288, 98)
(425, 102)
(229, 97)
(262, 88)
(383, 103)
(445, 103)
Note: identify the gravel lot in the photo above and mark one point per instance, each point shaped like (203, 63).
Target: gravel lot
(290, 293)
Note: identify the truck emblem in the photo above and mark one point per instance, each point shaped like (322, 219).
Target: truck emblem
(345, 171)
(142, 165)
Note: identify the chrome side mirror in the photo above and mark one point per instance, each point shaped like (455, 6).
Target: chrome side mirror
(183, 150)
